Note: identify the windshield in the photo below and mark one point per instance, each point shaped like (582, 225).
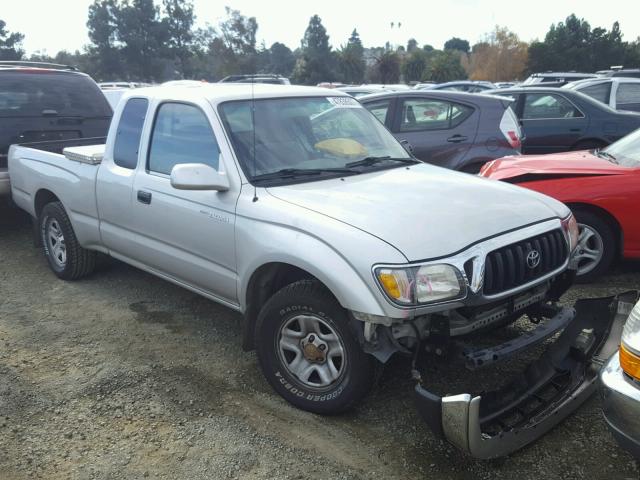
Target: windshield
(308, 133)
(626, 151)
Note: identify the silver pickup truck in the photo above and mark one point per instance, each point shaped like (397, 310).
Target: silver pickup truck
(296, 207)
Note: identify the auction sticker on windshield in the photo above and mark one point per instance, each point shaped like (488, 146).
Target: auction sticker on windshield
(344, 102)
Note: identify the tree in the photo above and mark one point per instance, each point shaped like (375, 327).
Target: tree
(573, 45)
(144, 37)
(351, 60)
(281, 60)
(456, 43)
(10, 43)
(102, 26)
(445, 67)
(415, 65)
(386, 68)
(501, 56)
(317, 60)
(179, 23)
(412, 45)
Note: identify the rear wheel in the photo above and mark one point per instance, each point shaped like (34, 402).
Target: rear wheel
(307, 351)
(596, 248)
(66, 257)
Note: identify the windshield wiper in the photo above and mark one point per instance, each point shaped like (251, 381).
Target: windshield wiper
(607, 155)
(369, 161)
(299, 172)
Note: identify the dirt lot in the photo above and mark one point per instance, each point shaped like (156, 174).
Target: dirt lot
(123, 375)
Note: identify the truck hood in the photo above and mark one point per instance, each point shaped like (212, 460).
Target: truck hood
(535, 167)
(424, 211)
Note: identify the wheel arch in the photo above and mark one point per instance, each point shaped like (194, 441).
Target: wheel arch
(608, 217)
(264, 282)
(41, 198)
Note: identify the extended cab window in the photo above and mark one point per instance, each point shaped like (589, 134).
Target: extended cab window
(127, 143)
(423, 114)
(538, 106)
(181, 134)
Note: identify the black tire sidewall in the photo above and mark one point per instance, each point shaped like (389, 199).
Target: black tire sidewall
(597, 223)
(356, 379)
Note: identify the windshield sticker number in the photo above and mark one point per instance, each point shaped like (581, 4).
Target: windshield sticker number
(344, 102)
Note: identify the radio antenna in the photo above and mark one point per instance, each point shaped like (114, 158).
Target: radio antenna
(253, 122)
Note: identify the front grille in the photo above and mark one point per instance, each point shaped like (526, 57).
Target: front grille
(515, 265)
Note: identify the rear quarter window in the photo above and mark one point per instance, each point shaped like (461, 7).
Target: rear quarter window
(67, 94)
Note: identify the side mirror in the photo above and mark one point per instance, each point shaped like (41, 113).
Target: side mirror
(198, 176)
(407, 146)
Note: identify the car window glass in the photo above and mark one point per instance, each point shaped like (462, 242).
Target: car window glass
(71, 94)
(424, 114)
(127, 142)
(628, 93)
(548, 106)
(181, 134)
(598, 92)
(379, 109)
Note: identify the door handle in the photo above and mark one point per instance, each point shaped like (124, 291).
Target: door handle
(575, 130)
(144, 197)
(456, 138)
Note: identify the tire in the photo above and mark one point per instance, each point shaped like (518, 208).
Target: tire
(588, 145)
(67, 259)
(597, 238)
(291, 330)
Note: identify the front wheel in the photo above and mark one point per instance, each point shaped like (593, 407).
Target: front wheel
(307, 351)
(596, 246)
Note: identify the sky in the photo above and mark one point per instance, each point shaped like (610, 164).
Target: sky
(53, 25)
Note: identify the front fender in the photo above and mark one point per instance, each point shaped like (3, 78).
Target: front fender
(261, 243)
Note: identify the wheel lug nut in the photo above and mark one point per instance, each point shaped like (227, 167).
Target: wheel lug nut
(322, 347)
(312, 338)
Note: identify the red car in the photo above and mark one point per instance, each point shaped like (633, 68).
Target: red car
(602, 187)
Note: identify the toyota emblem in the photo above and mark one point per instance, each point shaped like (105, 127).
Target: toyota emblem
(533, 259)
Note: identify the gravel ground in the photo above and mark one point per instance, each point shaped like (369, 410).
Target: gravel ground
(122, 375)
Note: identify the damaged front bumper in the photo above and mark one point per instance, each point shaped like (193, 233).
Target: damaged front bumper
(497, 423)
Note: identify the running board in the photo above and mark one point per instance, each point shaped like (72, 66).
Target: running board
(500, 422)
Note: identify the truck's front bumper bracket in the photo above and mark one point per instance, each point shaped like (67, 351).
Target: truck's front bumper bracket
(499, 422)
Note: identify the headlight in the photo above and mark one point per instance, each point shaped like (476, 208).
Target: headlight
(630, 346)
(420, 285)
(570, 227)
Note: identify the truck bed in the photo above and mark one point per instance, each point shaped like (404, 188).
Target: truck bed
(41, 173)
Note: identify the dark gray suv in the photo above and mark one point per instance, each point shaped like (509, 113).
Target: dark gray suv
(456, 130)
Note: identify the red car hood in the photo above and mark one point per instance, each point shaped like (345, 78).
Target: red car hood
(558, 164)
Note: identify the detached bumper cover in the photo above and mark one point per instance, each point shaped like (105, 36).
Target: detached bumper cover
(497, 423)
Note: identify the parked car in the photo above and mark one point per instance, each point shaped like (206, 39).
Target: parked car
(360, 91)
(450, 129)
(505, 84)
(559, 119)
(620, 72)
(257, 78)
(118, 85)
(296, 207)
(43, 101)
(602, 188)
(554, 79)
(620, 93)
(620, 384)
(468, 86)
